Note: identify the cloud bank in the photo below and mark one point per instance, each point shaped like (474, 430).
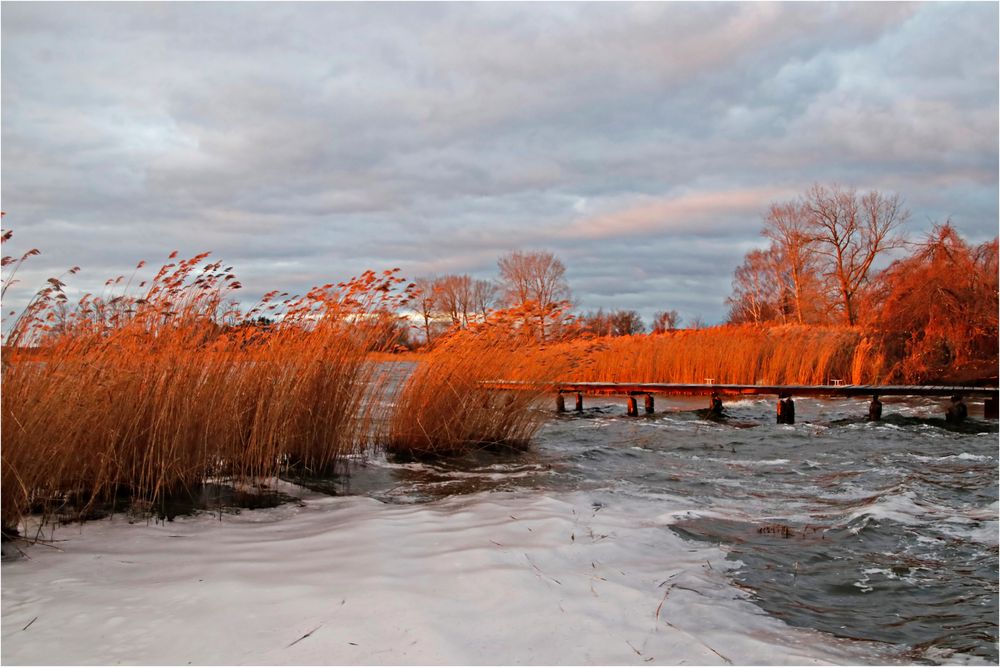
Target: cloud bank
(639, 142)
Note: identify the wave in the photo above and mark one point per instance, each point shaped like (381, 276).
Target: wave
(964, 456)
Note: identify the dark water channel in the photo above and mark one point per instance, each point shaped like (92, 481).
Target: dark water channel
(880, 531)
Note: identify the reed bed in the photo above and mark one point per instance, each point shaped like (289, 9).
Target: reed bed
(442, 409)
(136, 396)
(727, 354)
(139, 397)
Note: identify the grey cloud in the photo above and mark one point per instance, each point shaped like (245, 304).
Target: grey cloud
(308, 141)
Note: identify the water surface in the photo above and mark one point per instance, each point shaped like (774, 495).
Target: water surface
(877, 531)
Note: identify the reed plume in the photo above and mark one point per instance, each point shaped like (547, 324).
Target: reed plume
(443, 408)
(142, 396)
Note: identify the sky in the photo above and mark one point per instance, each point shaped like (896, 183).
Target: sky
(641, 143)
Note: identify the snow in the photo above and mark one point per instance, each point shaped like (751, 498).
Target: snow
(490, 578)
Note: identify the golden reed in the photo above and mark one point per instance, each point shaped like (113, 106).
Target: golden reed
(726, 354)
(443, 407)
(143, 396)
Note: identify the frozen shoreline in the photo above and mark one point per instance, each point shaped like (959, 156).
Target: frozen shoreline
(491, 578)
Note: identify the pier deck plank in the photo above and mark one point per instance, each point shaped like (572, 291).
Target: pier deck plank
(626, 388)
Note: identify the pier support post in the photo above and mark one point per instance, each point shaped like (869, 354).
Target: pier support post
(579, 401)
(633, 406)
(957, 411)
(560, 402)
(786, 409)
(649, 404)
(875, 409)
(990, 408)
(715, 405)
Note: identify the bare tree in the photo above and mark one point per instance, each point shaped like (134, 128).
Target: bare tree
(626, 323)
(426, 302)
(756, 292)
(535, 281)
(452, 301)
(455, 299)
(787, 225)
(666, 320)
(850, 231)
(484, 297)
(612, 323)
(597, 323)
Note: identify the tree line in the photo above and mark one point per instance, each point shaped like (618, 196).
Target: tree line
(932, 310)
(534, 283)
(817, 267)
(929, 313)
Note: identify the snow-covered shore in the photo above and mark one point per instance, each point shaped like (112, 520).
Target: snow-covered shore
(483, 579)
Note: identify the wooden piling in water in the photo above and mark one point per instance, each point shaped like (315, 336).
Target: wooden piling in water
(786, 409)
(990, 408)
(957, 411)
(715, 405)
(649, 404)
(875, 409)
(633, 406)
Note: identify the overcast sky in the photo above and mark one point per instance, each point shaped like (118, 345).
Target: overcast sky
(641, 143)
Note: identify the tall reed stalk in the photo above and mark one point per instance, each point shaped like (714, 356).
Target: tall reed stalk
(729, 354)
(150, 395)
(443, 408)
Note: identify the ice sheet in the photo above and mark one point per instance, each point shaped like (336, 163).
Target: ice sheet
(493, 578)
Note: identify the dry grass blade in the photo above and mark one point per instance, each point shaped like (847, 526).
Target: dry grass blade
(305, 636)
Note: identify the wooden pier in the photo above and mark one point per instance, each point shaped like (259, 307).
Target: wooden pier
(956, 412)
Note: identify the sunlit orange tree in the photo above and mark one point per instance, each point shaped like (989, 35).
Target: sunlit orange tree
(935, 312)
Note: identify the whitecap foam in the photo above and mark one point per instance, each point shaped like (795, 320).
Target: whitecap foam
(964, 456)
(974, 457)
(979, 532)
(900, 507)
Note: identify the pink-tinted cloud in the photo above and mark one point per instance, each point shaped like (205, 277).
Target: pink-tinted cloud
(697, 212)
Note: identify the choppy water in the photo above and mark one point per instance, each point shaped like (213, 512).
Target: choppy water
(879, 531)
